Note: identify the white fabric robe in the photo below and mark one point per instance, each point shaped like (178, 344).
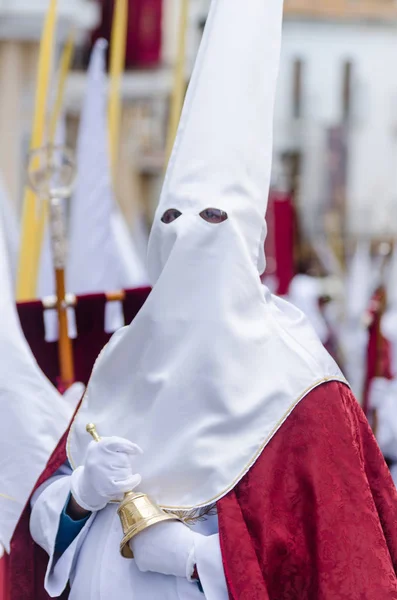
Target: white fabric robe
(94, 566)
(305, 292)
(383, 399)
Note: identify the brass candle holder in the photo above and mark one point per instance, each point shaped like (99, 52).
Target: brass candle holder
(136, 511)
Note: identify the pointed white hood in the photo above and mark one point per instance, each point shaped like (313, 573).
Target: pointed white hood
(223, 150)
(34, 415)
(213, 364)
(102, 256)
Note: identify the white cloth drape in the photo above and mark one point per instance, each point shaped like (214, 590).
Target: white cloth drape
(93, 563)
(102, 256)
(213, 364)
(33, 415)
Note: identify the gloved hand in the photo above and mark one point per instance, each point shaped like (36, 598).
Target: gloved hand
(166, 548)
(108, 472)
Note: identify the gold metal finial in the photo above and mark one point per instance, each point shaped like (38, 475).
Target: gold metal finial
(91, 429)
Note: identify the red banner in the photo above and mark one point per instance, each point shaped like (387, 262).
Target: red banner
(378, 348)
(279, 245)
(144, 37)
(91, 334)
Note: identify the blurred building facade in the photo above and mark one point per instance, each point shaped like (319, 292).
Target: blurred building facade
(21, 23)
(146, 89)
(337, 111)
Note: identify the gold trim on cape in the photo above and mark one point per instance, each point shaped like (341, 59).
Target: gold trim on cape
(187, 510)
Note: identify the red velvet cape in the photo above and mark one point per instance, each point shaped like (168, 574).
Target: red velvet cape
(314, 519)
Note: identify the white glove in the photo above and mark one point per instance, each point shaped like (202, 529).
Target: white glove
(166, 548)
(108, 473)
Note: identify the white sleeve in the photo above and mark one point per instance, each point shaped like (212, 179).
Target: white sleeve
(209, 565)
(47, 505)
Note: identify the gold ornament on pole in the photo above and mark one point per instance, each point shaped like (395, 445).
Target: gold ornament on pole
(63, 72)
(137, 512)
(51, 175)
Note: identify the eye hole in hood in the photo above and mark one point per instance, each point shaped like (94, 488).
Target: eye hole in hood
(214, 215)
(170, 215)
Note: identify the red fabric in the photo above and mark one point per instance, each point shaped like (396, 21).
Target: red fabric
(4, 578)
(144, 31)
(378, 348)
(133, 302)
(279, 245)
(91, 335)
(27, 562)
(315, 518)
(90, 319)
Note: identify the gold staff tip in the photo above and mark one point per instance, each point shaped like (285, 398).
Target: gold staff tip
(91, 429)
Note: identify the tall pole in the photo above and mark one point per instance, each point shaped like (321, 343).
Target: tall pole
(63, 72)
(179, 88)
(118, 45)
(51, 177)
(65, 349)
(30, 242)
(65, 64)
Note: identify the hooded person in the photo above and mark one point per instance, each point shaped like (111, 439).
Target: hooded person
(219, 401)
(354, 331)
(34, 415)
(383, 390)
(388, 323)
(305, 292)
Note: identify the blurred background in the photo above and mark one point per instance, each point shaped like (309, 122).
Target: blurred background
(86, 131)
(332, 213)
(336, 112)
